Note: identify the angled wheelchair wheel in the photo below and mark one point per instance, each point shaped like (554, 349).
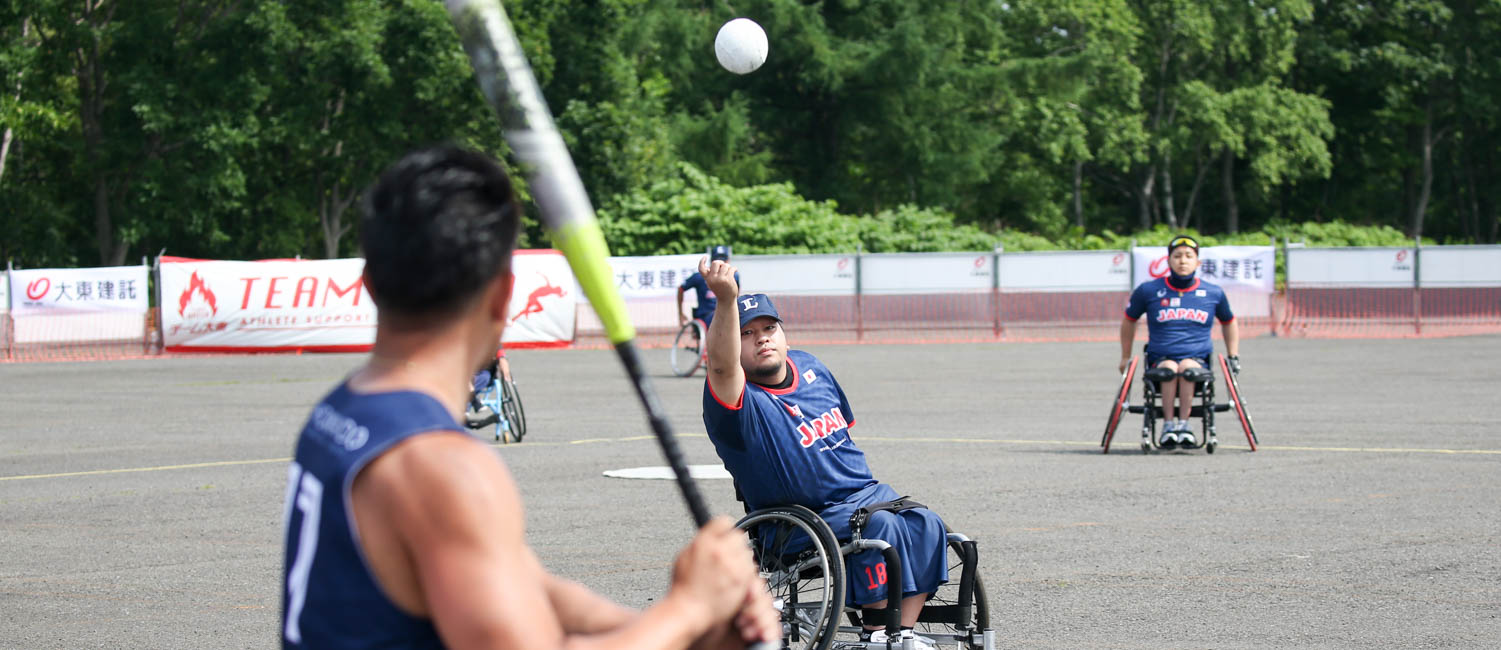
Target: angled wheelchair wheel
(939, 619)
(800, 561)
(513, 411)
(688, 348)
(1241, 413)
(1119, 406)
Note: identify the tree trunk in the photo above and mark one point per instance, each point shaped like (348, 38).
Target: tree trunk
(1232, 208)
(1169, 211)
(9, 134)
(1144, 198)
(1079, 194)
(1193, 193)
(1420, 209)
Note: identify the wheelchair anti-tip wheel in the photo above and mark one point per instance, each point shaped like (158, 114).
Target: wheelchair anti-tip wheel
(688, 348)
(800, 561)
(1119, 405)
(1239, 403)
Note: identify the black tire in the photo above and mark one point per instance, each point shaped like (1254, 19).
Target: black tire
(687, 348)
(514, 412)
(800, 561)
(947, 596)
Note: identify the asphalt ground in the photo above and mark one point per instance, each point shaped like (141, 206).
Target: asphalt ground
(140, 500)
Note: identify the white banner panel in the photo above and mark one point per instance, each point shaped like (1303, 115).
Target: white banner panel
(1460, 266)
(4, 292)
(1066, 271)
(799, 275)
(1236, 269)
(544, 300)
(1349, 267)
(266, 305)
(920, 273)
(60, 292)
(652, 276)
(323, 305)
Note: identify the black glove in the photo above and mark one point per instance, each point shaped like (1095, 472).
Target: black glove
(1234, 364)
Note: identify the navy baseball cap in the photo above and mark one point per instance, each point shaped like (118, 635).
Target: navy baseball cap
(720, 252)
(755, 305)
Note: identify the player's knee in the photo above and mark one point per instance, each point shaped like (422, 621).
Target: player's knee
(884, 525)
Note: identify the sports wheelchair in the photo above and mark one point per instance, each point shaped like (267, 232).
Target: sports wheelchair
(803, 565)
(688, 349)
(497, 403)
(1152, 410)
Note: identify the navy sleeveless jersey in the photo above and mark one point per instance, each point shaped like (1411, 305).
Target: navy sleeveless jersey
(330, 600)
(1178, 321)
(789, 445)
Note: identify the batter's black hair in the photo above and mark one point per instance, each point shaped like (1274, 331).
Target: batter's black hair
(439, 225)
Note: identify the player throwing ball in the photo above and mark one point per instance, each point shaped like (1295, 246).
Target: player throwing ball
(780, 422)
(1178, 309)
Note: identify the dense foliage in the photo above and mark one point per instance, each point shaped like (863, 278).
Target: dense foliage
(246, 130)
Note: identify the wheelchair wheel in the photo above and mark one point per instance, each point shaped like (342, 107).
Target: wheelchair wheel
(688, 348)
(939, 616)
(800, 561)
(1239, 402)
(511, 408)
(1119, 406)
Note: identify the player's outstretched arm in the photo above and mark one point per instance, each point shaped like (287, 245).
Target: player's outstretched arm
(1231, 331)
(1128, 337)
(725, 375)
(442, 524)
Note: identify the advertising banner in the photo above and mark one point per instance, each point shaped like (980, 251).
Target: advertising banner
(63, 305)
(925, 273)
(1248, 274)
(322, 305)
(1350, 267)
(651, 276)
(797, 275)
(61, 292)
(4, 292)
(1460, 266)
(1066, 271)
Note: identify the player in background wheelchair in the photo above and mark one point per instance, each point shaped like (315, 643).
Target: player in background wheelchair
(493, 400)
(1179, 308)
(688, 352)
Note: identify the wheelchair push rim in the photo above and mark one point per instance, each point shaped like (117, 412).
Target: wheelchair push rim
(1241, 413)
(513, 411)
(687, 348)
(1119, 405)
(808, 584)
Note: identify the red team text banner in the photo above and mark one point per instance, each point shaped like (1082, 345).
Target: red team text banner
(323, 305)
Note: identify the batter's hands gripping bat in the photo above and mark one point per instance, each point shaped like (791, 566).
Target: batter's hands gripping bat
(509, 85)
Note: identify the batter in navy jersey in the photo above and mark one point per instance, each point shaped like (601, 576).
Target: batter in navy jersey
(781, 423)
(704, 310)
(402, 531)
(1181, 309)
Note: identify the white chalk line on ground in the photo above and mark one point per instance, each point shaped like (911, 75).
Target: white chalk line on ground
(875, 438)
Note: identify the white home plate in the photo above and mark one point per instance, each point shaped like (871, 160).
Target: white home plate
(702, 472)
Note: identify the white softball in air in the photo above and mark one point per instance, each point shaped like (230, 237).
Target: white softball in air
(740, 46)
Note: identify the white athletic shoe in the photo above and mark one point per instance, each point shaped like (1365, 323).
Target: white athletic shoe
(1186, 438)
(1169, 439)
(918, 641)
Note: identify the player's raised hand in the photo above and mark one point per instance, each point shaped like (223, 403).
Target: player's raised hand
(720, 277)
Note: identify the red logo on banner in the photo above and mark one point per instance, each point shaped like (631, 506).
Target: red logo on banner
(979, 261)
(197, 286)
(1401, 256)
(1158, 267)
(38, 288)
(1119, 257)
(534, 301)
(844, 263)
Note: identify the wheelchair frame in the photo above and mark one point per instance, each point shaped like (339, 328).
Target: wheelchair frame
(502, 398)
(788, 562)
(1152, 411)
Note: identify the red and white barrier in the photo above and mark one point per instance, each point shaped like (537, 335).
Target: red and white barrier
(323, 306)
